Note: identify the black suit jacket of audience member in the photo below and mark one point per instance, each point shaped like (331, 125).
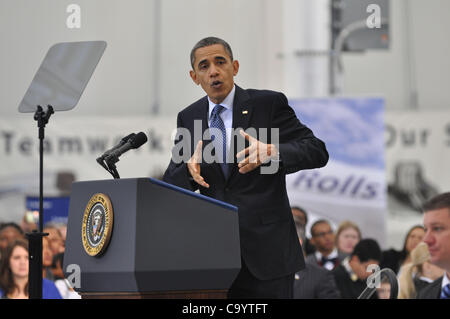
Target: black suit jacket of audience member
(311, 258)
(269, 242)
(348, 288)
(432, 291)
(315, 283)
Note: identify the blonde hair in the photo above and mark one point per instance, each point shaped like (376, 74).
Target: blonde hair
(419, 256)
(345, 225)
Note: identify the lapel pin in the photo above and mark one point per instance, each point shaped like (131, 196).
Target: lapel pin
(245, 112)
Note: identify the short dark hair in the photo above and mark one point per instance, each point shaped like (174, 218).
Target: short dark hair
(437, 202)
(13, 225)
(367, 249)
(320, 221)
(206, 42)
(303, 211)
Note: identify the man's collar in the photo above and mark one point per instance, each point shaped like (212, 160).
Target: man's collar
(227, 103)
(334, 254)
(445, 280)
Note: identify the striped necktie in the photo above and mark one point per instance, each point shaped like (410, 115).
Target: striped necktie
(445, 293)
(220, 141)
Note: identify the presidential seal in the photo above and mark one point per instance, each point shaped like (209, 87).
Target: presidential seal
(97, 224)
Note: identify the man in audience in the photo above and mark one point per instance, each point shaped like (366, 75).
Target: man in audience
(314, 282)
(301, 220)
(436, 220)
(352, 274)
(323, 238)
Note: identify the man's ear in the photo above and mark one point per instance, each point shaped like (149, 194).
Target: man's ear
(194, 77)
(235, 67)
(354, 259)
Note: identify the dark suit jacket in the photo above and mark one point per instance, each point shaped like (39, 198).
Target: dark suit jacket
(311, 258)
(349, 289)
(315, 282)
(269, 242)
(432, 291)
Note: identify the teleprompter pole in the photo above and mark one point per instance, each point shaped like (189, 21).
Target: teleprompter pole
(35, 238)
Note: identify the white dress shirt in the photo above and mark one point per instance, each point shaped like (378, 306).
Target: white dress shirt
(226, 115)
(445, 280)
(328, 265)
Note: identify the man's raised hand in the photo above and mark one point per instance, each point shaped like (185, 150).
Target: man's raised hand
(193, 165)
(258, 153)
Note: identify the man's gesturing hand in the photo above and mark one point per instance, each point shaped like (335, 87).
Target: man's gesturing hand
(193, 166)
(258, 153)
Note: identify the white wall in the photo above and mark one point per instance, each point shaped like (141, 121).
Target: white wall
(388, 72)
(124, 80)
(257, 30)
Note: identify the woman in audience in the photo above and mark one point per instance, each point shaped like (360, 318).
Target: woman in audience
(394, 259)
(418, 273)
(347, 236)
(14, 274)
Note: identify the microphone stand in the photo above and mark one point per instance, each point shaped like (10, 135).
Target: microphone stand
(35, 238)
(109, 166)
(113, 169)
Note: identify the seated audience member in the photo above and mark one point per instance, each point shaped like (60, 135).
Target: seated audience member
(301, 219)
(417, 274)
(9, 232)
(394, 259)
(314, 282)
(347, 236)
(56, 241)
(326, 255)
(14, 274)
(47, 259)
(62, 227)
(63, 285)
(436, 219)
(384, 291)
(351, 274)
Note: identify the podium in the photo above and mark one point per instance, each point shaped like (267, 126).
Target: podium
(165, 242)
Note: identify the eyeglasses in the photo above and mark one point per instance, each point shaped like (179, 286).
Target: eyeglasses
(323, 234)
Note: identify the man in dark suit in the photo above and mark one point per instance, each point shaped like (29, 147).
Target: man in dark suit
(352, 273)
(436, 220)
(301, 220)
(323, 239)
(249, 175)
(313, 282)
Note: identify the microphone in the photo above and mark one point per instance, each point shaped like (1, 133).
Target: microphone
(135, 141)
(111, 156)
(108, 152)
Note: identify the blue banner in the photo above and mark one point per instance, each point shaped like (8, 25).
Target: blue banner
(56, 209)
(352, 185)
